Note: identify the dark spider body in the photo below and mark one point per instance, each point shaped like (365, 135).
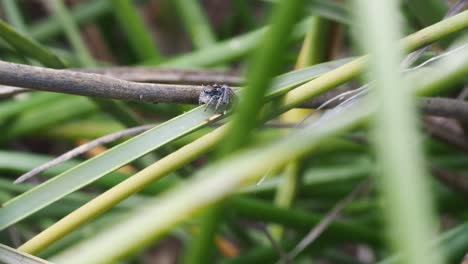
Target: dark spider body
(218, 96)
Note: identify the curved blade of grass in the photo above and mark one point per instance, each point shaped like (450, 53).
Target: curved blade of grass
(20, 162)
(10, 255)
(29, 47)
(195, 22)
(91, 170)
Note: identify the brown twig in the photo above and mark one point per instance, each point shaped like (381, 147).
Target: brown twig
(95, 85)
(263, 228)
(327, 220)
(445, 107)
(149, 75)
(82, 149)
(100, 85)
(442, 107)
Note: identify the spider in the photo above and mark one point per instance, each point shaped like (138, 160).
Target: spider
(218, 96)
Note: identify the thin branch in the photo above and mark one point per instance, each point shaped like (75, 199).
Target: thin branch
(263, 228)
(445, 107)
(414, 56)
(435, 106)
(275, 245)
(327, 220)
(149, 75)
(89, 84)
(83, 149)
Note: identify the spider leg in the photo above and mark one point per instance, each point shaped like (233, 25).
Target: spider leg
(227, 95)
(209, 103)
(220, 100)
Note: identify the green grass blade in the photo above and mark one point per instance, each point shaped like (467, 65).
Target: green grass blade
(428, 12)
(14, 16)
(403, 177)
(265, 65)
(20, 162)
(285, 82)
(29, 47)
(90, 170)
(196, 23)
(72, 32)
(138, 35)
(257, 209)
(316, 43)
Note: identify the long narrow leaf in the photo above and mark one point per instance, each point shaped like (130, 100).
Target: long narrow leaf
(403, 177)
(29, 47)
